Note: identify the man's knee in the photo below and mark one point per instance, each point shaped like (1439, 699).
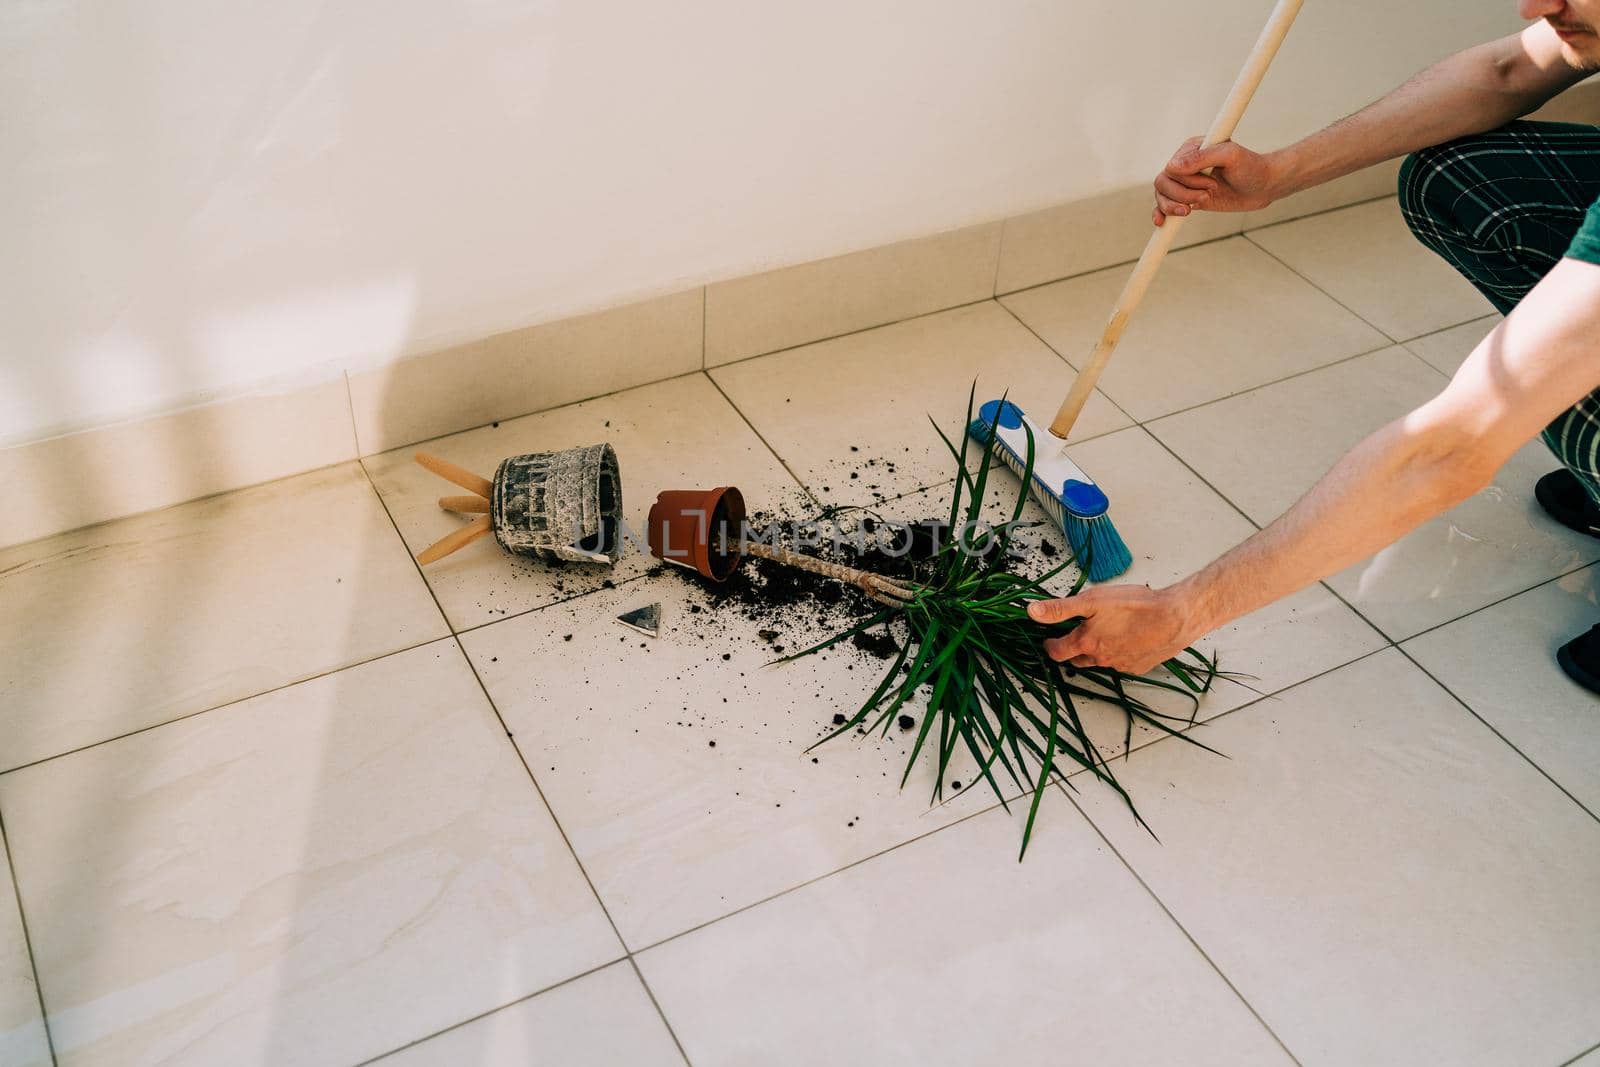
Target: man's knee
(1430, 180)
(1481, 202)
(1466, 189)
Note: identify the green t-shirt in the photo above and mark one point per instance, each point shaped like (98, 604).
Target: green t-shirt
(1586, 245)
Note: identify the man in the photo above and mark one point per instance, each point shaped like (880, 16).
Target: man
(1514, 206)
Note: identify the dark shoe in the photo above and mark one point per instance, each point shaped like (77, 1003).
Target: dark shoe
(1580, 659)
(1562, 496)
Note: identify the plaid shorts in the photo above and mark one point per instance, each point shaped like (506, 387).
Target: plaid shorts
(1502, 208)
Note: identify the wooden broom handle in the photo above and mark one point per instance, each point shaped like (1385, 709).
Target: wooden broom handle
(452, 473)
(1244, 87)
(466, 505)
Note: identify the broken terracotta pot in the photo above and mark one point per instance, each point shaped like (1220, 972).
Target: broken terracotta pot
(699, 529)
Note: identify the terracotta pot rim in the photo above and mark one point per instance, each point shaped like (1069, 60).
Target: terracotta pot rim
(686, 527)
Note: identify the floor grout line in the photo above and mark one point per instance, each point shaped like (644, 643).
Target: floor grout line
(1276, 259)
(1365, 200)
(697, 927)
(1272, 382)
(533, 779)
(497, 1008)
(804, 488)
(1200, 477)
(1572, 1062)
(1261, 698)
(660, 1011)
(1239, 392)
(1062, 357)
(178, 504)
(1491, 728)
(1184, 930)
(511, 739)
(225, 704)
(1388, 641)
(509, 616)
(319, 675)
(1405, 347)
(539, 792)
(1247, 518)
(1395, 341)
(27, 940)
(1496, 603)
(1446, 329)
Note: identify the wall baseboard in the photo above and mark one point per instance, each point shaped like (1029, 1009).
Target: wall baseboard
(532, 369)
(110, 472)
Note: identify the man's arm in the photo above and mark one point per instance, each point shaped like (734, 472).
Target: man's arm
(1470, 92)
(1539, 362)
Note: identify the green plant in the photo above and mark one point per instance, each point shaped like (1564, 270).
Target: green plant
(966, 640)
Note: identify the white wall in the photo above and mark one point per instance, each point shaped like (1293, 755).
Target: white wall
(204, 198)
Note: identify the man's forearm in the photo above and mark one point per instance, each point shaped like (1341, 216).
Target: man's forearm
(1543, 359)
(1539, 362)
(1382, 489)
(1479, 89)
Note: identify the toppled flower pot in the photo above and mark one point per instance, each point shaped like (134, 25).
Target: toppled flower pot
(559, 505)
(550, 505)
(699, 529)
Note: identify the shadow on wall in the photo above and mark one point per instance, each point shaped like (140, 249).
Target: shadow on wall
(294, 924)
(309, 911)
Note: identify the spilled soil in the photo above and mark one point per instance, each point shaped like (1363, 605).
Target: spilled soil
(720, 636)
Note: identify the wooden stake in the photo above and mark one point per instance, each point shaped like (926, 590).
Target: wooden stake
(885, 591)
(452, 473)
(460, 539)
(466, 505)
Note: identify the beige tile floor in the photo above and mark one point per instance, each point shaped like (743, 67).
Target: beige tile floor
(270, 795)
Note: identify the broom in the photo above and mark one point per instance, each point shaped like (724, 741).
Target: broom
(1069, 495)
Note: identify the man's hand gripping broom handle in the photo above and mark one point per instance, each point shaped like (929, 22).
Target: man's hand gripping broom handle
(1244, 87)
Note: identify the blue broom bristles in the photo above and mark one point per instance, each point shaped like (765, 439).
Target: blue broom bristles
(1100, 550)
(1096, 545)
